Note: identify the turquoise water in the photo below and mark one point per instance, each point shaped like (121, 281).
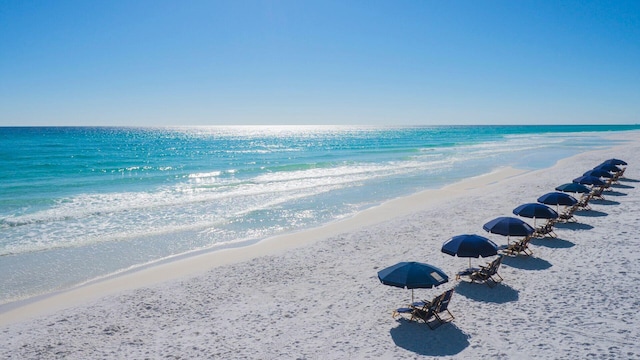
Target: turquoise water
(81, 203)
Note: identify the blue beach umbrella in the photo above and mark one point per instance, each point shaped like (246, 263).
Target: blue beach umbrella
(615, 162)
(557, 199)
(573, 188)
(608, 167)
(508, 226)
(589, 180)
(412, 275)
(469, 246)
(535, 211)
(598, 173)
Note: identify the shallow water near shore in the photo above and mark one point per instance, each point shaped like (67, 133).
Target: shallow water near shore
(82, 203)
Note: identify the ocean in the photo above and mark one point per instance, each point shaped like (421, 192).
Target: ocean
(82, 203)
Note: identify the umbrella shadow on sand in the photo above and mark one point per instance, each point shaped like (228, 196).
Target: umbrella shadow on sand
(590, 213)
(573, 226)
(555, 243)
(627, 180)
(604, 202)
(614, 193)
(416, 337)
(526, 262)
(499, 294)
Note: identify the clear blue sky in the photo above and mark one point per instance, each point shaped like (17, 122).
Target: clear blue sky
(138, 62)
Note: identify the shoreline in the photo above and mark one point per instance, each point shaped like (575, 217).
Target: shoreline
(41, 293)
(323, 297)
(199, 262)
(187, 265)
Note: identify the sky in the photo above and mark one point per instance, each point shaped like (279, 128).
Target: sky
(427, 62)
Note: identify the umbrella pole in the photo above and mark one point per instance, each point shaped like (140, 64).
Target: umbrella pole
(469, 263)
(411, 296)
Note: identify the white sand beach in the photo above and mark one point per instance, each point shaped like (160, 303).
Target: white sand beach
(315, 294)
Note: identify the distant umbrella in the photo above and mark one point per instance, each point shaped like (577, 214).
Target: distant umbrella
(557, 198)
(412, 275)
(598, 173)
(589, 180)
(608, 167)
(469, 246)
(615, 162)
(573, 188)
(508, 226)
(535, 211)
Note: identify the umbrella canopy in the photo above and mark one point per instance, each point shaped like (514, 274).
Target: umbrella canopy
(608, 167)
(412, 275)
(508, 226)
(615, 162)
(470, 246)
(588, 180)
(598, 173)
(573, 188)
(557, 198)
(535, 210)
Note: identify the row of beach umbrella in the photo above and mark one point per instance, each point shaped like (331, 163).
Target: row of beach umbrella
(414, 275)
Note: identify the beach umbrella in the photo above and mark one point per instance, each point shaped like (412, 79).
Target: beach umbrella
(589, 180)
(469, 246)
(535, 211)
(573, 188)
(557, 199)
(608, 167)
(412, 275)
(615, 162)
(598, 173)
(508, 226)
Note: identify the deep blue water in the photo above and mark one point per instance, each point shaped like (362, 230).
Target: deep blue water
(80, 203)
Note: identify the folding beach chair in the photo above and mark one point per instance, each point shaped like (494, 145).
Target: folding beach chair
(546, 230)
(488, 274)
(567, 215)
(441, 309)
(518, 247)
(430, 312)
(410, 310)
(583, 202)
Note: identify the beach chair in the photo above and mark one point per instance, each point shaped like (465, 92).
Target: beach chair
(416, 313)
(430, 312)
(424, 314)
(441, 309)
(596, 193)
(583, 202)
(410, 310)
(618, 175)
(546, 230)
(487, 274)
(518, 247)
(567, 215)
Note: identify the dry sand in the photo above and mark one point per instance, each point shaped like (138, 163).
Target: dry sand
(315, 294)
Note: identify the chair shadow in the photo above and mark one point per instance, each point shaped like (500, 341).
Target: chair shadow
(446, 340)
(590, 213)
(604, 202)
(554, 243)
(573, 226)
(526, 262)
(499, 294)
